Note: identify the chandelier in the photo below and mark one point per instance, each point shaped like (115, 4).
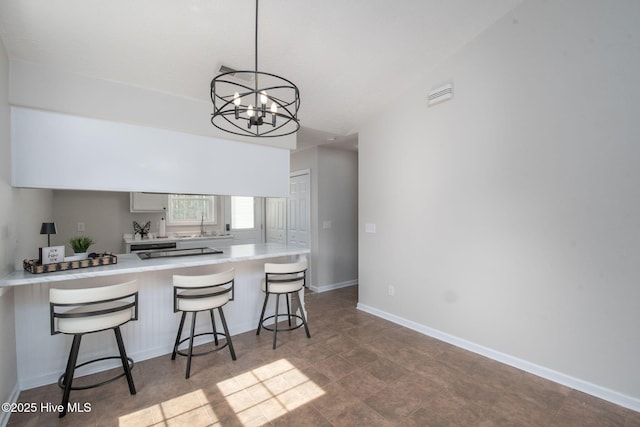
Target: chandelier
(254, 103)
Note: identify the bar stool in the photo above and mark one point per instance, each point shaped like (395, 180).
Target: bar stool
(93, 310)
(192, 294)
(284, 279)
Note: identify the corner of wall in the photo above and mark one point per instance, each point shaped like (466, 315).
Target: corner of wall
(8, 364)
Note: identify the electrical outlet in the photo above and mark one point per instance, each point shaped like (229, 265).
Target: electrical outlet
(391, 291)
(81, 226)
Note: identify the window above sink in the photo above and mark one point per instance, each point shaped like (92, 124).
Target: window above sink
(191, 209)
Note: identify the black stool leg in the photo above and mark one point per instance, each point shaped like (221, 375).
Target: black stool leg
(125, 361)
(193, 330)
(288, 309)
(215, 332)
(264, 306)
(304, 319)
(68, 375)
(275, 324)
(226, 333)
(175, 346)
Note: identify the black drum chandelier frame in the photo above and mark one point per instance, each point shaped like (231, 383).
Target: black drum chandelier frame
(248, 109)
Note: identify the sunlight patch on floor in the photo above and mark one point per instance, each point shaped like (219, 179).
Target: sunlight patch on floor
(269, 391)
(164, 411)
(275, 389)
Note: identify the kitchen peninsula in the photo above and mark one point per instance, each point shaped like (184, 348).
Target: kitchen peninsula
(42, 357)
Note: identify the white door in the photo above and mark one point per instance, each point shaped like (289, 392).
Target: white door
(299, 218)
(276, 219)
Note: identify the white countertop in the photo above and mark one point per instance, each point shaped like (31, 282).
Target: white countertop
(130, 263)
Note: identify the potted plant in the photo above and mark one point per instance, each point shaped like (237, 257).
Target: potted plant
(80, 245)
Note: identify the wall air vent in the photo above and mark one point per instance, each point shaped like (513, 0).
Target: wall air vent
(440, 94)
(245, 77)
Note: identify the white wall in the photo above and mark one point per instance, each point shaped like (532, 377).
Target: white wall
(6, 194)
(21, 214)
(334, 198)
(8, 366)
(509, 217)
(51, 89)
(106, 216)
(337, 205)
(62, 151)
(31, 208)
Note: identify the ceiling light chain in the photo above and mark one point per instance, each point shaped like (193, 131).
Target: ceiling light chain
(230, 110)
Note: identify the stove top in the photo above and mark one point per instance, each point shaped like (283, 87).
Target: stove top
(166, 253)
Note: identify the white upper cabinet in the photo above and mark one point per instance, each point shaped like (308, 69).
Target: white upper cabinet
(148, 202)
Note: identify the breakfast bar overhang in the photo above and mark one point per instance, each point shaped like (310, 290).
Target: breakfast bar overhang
(42, 357)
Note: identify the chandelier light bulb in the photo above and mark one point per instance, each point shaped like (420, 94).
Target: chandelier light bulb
(263, 97)
(250, 111)
(274, 113)
(236, 99)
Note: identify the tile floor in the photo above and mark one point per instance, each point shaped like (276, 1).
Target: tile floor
(356, 370)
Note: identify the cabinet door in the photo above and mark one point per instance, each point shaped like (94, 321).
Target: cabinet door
(148, 202)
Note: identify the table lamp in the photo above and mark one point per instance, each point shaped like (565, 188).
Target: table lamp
(48, 228)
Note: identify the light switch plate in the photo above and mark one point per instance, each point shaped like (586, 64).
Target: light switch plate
(326, 224)
(370, 228)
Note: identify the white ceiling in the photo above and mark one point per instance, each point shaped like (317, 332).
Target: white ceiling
(350, 58)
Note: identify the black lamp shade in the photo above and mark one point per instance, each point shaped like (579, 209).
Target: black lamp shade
(48, 228)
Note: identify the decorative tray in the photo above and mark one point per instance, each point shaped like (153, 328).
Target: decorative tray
(34, 266)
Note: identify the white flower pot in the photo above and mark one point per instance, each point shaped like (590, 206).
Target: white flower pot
(77, 257)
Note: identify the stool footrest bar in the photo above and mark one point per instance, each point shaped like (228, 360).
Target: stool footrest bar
(289, 328)
(86, 387)
(217, 348)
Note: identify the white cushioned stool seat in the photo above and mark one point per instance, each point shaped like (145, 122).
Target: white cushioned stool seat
(192, 294)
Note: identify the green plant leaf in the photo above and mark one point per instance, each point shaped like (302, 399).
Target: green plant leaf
(80, 244)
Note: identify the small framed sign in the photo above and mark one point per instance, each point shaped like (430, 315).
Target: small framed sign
(51, 254)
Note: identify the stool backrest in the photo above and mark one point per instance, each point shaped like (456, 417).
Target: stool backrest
(91, 299)
(218, 283)
(286, 272)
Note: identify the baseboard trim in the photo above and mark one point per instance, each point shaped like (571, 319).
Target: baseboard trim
(52, 377)
(333, 286)
(13, 398)
(541, 371)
